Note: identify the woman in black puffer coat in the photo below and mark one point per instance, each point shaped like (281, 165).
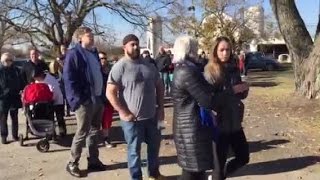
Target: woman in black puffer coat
(222, 72)
(190, 90)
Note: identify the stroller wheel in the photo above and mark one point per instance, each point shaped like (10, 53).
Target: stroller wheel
(21, 139)
(43, 145)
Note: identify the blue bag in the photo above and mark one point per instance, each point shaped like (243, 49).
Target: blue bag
(207, 118)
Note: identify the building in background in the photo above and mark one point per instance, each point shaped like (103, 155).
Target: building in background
(254, 20)
(266, 43)
(154, 35)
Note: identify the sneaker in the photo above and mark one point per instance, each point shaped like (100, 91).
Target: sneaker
(160, 177)
(97, 167)
(108, 143)
(73, 169)
(4, 140)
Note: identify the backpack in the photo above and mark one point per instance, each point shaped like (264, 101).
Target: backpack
(37, 92)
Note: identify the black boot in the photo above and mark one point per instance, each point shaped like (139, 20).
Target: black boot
(62, 131)
(95, 167)
(15, 138)
(4, 140)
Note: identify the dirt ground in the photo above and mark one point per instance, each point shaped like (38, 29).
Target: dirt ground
(282, 128)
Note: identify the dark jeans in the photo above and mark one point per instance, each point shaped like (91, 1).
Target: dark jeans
(59, 112)
(187, 175)
(245, 71)
(135, 133)
(4, 123)
(239, 145)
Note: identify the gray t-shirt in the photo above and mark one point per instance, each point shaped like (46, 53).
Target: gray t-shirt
(95, 69)
(137, 85)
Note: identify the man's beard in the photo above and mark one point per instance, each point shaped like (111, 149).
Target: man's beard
(135, 54)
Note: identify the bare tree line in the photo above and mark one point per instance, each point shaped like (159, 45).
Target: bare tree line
(51, 23)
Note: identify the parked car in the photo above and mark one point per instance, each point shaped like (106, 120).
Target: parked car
(257, 60)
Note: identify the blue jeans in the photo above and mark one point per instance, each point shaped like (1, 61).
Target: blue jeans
(135, 133)
(165, 76)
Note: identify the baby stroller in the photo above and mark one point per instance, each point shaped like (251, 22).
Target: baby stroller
(38, 108)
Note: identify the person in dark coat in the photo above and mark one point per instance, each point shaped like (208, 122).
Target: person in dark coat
(163, 61)
(108, 109)
(222, 72)
(146, 56)
(63, 51)
(60, 60)
(28, 68)
(190, 90)
(11, 84)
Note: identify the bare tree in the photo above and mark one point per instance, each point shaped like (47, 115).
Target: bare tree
(53, 22)
(219, 17)
(7, 32)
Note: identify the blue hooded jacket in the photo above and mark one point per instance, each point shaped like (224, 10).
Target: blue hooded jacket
(76, 78)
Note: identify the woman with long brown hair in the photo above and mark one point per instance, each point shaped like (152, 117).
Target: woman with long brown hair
(222, 72)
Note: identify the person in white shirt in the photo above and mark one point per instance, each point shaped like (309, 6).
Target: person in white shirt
(58, 101)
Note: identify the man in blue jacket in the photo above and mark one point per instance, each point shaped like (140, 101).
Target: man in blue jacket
(83, 80)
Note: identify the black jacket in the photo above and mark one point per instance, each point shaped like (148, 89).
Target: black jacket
(163, 62)
(11, 83)
(230, 117)
(201, 63)
(105, 74)
(28, 69)
(193, 141)
(150, 60)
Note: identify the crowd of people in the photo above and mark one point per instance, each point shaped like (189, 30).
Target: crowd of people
(206, 95)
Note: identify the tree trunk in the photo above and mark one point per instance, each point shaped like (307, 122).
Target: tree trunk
(318, 27)
(298, 41)
(311, 71)
(1, 45)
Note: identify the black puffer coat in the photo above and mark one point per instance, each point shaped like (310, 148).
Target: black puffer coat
(193, 141)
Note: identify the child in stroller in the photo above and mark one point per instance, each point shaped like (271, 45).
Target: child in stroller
(37, 99)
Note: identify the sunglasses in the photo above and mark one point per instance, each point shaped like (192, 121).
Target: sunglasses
(8, 60)
(103, 58)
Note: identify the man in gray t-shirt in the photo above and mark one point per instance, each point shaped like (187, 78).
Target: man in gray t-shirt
(137, 80)
(135, 90)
